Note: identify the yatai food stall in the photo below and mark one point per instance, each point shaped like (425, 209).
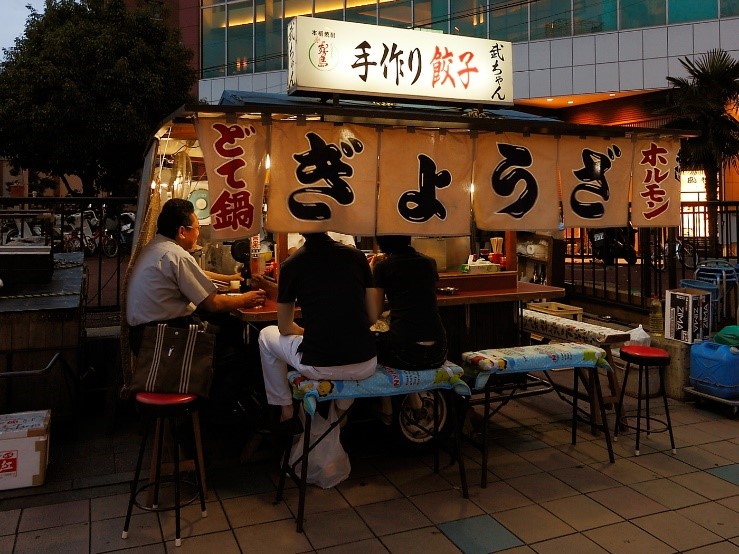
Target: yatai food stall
(264, 166)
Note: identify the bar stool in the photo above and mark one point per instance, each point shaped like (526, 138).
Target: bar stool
(163, 408)
(645, 357)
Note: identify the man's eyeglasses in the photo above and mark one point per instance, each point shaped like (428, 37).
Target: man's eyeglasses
(191, 227)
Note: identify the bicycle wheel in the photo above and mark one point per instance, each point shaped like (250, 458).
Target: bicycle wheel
(110, 246)
(689, 255)
(72, 244)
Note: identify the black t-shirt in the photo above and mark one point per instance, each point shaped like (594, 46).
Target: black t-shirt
(409, 280)
(329, 281)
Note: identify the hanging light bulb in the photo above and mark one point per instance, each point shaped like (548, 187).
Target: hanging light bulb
(182, 173)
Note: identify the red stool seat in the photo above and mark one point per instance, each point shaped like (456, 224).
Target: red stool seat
(164, 399)
(648, 355)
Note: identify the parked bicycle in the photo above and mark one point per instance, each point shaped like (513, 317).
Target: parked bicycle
(685, 254)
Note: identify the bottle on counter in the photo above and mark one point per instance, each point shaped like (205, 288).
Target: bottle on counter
(656, 319)
(246, 274)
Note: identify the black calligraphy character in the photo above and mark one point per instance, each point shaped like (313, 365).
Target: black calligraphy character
(593, 179)
(323, 162)
(508, 173)
(496, 52)
(392, 55)
(362, 60)
(421, 205)
(415, 54)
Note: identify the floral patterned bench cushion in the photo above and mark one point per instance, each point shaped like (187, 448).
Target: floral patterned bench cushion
(540, 357)
(561, 328)
(386, 381)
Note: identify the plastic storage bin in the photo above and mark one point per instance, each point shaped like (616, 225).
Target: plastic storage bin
(714, 369)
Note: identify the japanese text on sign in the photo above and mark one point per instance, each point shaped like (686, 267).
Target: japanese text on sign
(655, 171)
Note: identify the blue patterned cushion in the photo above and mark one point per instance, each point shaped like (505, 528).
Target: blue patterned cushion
(541, 357)
(386, 381)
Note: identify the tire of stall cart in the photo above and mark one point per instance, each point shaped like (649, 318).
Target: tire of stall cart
(412, 428)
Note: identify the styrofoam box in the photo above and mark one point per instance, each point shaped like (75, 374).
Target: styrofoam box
(687, 315)
(24, 449)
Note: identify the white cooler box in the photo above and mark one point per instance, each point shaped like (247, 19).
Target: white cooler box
(24, 449)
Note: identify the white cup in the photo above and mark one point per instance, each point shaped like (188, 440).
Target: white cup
(234, 286)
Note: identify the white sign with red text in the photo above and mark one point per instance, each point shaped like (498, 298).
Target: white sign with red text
(370, 60)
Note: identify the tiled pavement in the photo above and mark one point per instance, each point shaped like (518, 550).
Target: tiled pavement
(544, 495)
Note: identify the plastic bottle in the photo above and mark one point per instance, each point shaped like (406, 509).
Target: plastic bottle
(656, 319)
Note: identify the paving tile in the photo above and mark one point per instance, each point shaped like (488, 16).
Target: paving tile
(508, 465)
(581, 512)
(54, 515)
(533, 524)
(714, 517)
(106, 533)
(238, 481)
(549, 459)
(6, 543)
(569, 543)
(480, 534)
(223, 542)
(676, 530)
(148, 549)
(663, 464)
(700, 458)
(368, 546)
(725, 449)
(254, 509)
(316, 499)
(498, 496)
(368, 489)
(625, 471)
(416, 479)
(584, 478)
(732, 503)
(721, 428)
(729, 473)
(668, 493)
(541, 487)
(445, 506)
(588, 452)
(9, 521)
(345, 526)
(106, 507)
(70, 539)
(725, 547)
(627, 502)
(707, 484)
(275, 536)
(627, 537)
(432, 539)
(191, 521)
(392, 516)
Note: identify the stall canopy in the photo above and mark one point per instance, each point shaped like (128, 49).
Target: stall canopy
(361, 168)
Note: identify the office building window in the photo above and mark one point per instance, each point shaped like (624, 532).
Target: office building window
(268, 36)
(509, 22)
(729, 8)
(468, 18)
(683, 11)
(642, 13)
(240, 38)
(329, 9)
(362, 11)
(550, 19)
(431, 14)
(213, 42)
(396, 14)
(294, 8)
(595, 16)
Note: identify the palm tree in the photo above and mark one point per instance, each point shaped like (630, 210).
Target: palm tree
(705, 101)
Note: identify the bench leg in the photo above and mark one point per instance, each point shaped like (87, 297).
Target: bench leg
(599, 397)
(457, 414)
(303, 484)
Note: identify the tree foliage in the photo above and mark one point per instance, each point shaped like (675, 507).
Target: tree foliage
(85, 85)
(706, 101)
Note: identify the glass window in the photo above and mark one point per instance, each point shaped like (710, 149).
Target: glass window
(594, 16)
(240, 47)
(509, 22)
(329, 9)
(431, 14)
(361, 11)
(268, 36)
(643, 13)
(396, 14)
(297, 7)
(550, 19)
(213, 62)
(468, 18)
(729, 8)
(211, 2)
(682, 11)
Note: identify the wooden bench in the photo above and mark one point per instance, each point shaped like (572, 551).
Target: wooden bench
(481, 366)
(386, 381)
(556, 328)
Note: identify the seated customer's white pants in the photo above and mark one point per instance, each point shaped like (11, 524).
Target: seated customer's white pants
(278, 351)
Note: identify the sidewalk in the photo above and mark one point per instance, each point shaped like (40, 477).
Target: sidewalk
(544, 495)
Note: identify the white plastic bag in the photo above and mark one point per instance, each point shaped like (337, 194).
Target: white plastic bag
(328, 463)
(639, 337)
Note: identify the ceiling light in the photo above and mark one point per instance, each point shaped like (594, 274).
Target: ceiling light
(570, 101)
(612, 94)
(550, 99)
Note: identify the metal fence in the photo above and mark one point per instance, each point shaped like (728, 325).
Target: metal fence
(93, 225)
(662, 256)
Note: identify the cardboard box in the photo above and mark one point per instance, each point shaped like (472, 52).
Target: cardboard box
(555, 308)
(687, 315)
(24, 449)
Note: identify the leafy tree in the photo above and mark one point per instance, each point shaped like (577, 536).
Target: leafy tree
(83, 88)
(704, 101)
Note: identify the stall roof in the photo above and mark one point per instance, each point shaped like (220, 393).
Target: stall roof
(238, 104)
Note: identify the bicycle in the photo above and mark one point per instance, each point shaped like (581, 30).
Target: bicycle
(685, 254)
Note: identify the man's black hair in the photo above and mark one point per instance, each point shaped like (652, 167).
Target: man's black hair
(393, 243)
(175, 213)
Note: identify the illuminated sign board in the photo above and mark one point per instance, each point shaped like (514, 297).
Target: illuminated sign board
(368, 60)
